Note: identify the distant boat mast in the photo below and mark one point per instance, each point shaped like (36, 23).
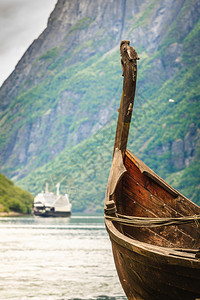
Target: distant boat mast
(58, 187)
(46, 188)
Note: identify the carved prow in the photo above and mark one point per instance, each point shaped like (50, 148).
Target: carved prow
(129, 71)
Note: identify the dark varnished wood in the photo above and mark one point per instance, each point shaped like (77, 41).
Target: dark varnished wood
(153, 263)
(149, 199)
(129, 59)
(146, 266)
(147, 273)
(143, 277)
(181, 204)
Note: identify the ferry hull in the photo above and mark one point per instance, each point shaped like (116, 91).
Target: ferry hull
(57, 214)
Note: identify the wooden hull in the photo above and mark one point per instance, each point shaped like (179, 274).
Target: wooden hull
(151, 275)
(154, 263)
(161, 262)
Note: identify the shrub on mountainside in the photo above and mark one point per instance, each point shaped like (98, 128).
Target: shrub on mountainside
(12, 198)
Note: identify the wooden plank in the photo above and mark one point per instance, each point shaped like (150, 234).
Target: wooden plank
(147, 235)
(154, 279)
(148, 183)
(170, 236)
(151, 202)
(181, 204)
(137, 201)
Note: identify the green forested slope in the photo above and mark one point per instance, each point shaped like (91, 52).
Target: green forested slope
(156, 124)
(13, 198)
(59, 108)
(82, 170)
(187, 180)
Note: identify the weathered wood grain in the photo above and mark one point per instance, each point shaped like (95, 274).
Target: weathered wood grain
(152, 263)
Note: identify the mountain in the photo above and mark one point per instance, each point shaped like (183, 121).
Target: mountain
(58, 108)
(13, 199)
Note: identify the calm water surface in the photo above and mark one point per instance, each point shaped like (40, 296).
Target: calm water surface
(57, 258)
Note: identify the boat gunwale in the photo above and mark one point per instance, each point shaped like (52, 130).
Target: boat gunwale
(142, 247)
(127, 249)
(170, 255)
(144, 169)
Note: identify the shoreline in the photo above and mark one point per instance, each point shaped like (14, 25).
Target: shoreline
(12, 214)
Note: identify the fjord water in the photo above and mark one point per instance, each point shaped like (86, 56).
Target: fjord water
(57, 258)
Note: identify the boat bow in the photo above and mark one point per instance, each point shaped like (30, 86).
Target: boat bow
(154, 230)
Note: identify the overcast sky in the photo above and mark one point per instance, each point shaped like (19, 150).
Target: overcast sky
(21, 21)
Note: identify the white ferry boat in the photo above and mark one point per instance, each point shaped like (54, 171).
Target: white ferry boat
(47, 204)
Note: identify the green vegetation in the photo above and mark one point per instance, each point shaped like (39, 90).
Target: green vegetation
(12, 198)
(82, 170)
(50, 54)
(154, 119)
(91, 85)
(81, 24)
(188, 180)
(143, 18)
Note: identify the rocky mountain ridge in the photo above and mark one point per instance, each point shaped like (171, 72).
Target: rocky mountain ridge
(67, 85)
(69, 25)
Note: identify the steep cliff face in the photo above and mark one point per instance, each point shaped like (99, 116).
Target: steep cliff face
(71, 26)
(76, 32)
(67, 85)
(82, 28)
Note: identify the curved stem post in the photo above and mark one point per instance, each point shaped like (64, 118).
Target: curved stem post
(129, 71)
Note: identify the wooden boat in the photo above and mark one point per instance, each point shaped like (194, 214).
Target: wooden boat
(154, 230)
